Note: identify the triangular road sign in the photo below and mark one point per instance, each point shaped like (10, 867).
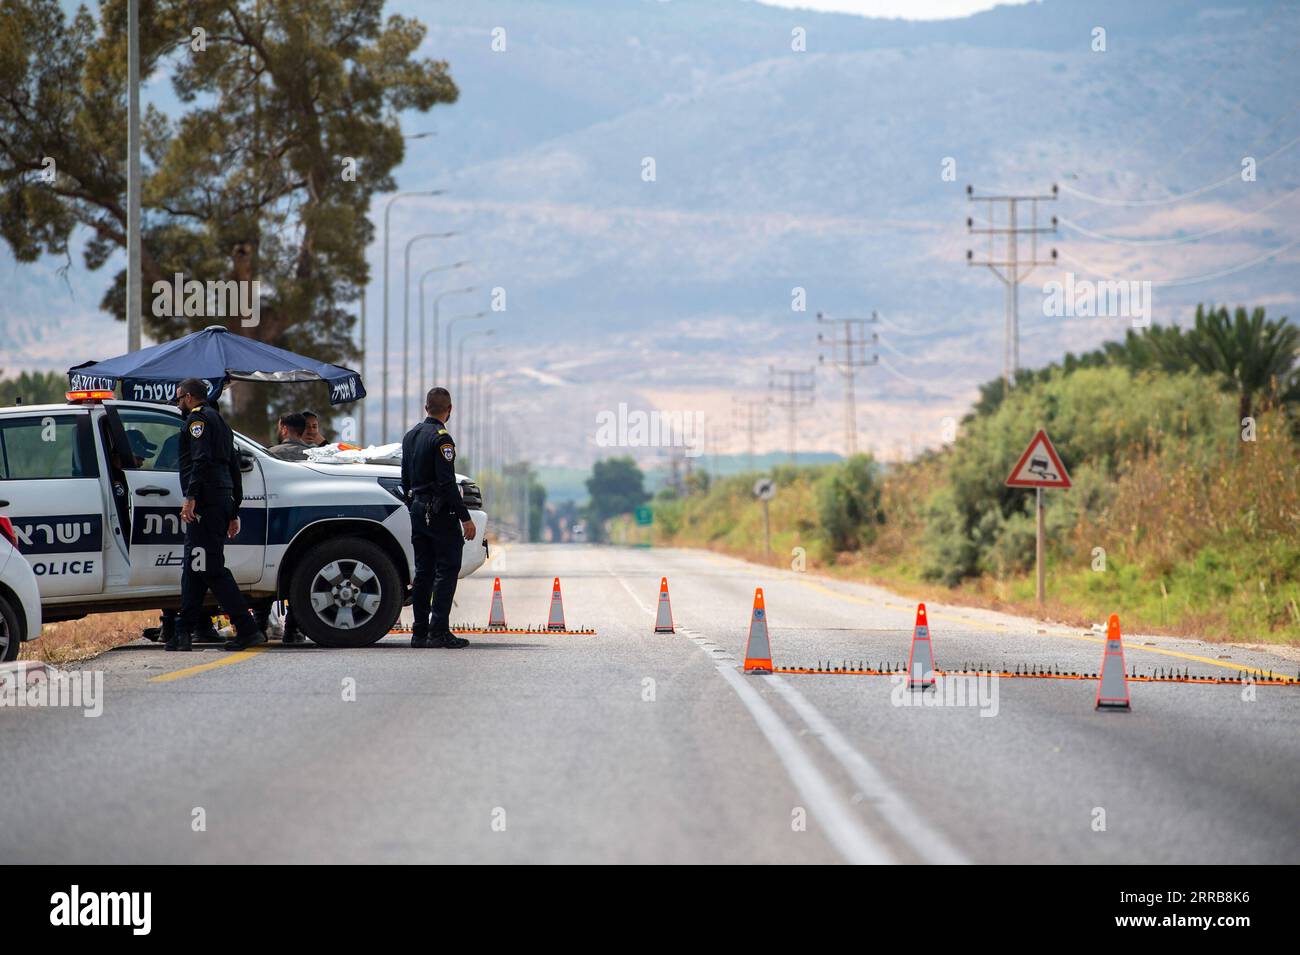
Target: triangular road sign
(1039, 466)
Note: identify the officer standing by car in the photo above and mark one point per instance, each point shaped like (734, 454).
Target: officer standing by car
(438, 518)
(213, 491)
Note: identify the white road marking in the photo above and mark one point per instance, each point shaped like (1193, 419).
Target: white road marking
(925, 841)
(842, 827)
(928, 843)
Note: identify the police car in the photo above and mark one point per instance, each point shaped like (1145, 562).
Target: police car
(20, 600)
(94, 493)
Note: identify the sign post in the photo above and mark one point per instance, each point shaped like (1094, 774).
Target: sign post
(645, 517)
(765, 490)
(1039, 467)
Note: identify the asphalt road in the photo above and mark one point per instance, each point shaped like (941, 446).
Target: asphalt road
(632, 747)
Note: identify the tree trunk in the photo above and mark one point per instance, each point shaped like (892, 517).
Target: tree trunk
(248, 406)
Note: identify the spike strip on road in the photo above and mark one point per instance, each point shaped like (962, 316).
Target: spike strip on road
(582, 631)
(1012, 675)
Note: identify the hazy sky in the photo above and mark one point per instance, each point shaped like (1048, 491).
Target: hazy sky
(910, 9)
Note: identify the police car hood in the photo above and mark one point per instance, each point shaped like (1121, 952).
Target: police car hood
(363, 470)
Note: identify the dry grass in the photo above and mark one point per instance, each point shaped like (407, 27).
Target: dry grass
(71, 640)
(1199, 541)
(1166, 510)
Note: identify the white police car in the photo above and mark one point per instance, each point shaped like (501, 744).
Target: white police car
(95, 497)
(20, 600)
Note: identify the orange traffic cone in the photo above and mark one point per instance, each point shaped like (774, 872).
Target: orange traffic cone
(497, 615)
(1112, 688)
(664, 618)
(556, 619)
(920, 662)
(758, 649)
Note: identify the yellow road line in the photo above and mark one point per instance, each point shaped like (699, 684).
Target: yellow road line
(224, 661)
(1003, 628)
(866, 601)
(1168, 653)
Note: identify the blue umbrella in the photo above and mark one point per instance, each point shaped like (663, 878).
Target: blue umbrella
(215, 355)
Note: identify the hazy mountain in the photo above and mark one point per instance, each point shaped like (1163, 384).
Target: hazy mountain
(821, 169)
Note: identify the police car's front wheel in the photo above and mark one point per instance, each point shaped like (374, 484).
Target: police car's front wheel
(345, 593)
(11, 638)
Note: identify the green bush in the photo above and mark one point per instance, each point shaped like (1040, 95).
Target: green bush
(1095, 417)
(848, 503)
(949, 552)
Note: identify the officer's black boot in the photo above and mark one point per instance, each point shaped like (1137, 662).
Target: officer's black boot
(165, 632)
(243, 641)
(180, 640)
(420, 638)
(447, 641)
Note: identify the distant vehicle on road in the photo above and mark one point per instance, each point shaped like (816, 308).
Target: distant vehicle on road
(578, 533)
(94, 487)
(20, 599)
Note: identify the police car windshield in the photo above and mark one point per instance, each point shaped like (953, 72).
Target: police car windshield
(257, 445)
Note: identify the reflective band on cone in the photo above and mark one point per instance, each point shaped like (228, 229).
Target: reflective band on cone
(664, 616)
(920, 662)
(556, 620)
(497, 615)
(758, 650)
(1112, 688)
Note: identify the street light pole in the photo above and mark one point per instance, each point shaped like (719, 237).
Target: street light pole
(437, 301)
(388, 208)
(487, 427)
(471, 402)
(451, 323)
(363, 361)
(406, 308)
(424, 381)
(133, 289)
(460, 355)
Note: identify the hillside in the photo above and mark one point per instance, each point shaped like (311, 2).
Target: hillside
(819, 170)
(1178, 518)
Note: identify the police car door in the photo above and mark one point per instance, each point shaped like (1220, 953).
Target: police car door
(51, 476)
(153, 493)
(246, 554)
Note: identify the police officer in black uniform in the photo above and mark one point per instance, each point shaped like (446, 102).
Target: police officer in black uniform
(438, 518)
(213, 492)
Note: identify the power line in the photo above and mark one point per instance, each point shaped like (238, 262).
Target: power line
(1180, 240)
(848, 354)
(891, 327)
(1014, 269)
(745, 415)
(1190, 280)
(715, 435)
(922, 389)
(1173, 197)
(793, 393)
(1177, 197)
(1221, 115)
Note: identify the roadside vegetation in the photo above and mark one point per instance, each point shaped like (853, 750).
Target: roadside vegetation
(1184, 516)
(72, 640)
(32, 388)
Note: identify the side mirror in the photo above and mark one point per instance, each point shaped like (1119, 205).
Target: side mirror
(246, 461)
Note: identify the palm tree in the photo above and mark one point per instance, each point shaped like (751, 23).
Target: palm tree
(1249, 354)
